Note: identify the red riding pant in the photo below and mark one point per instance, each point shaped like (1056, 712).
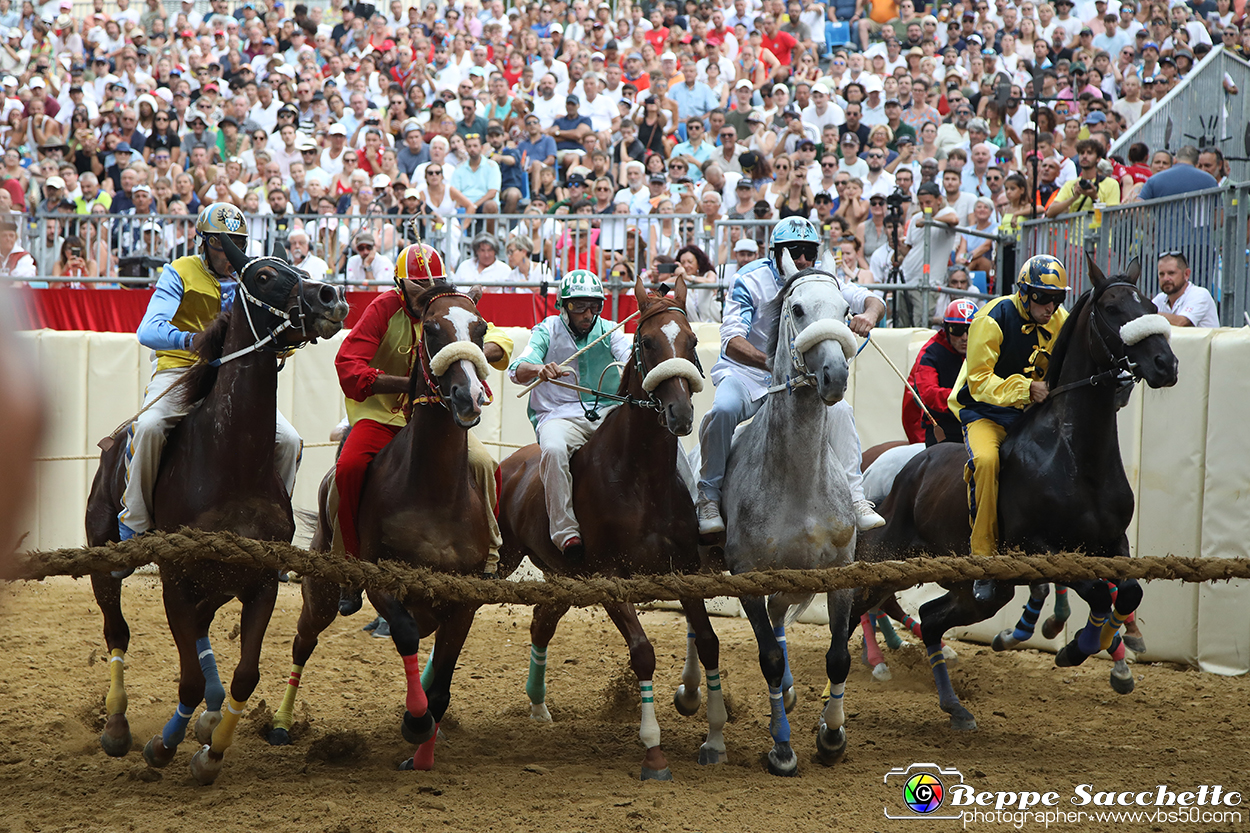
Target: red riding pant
(364, 442)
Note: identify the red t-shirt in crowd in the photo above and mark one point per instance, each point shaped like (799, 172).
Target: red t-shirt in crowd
(781, 45)
(657, 37)
(1139, 173)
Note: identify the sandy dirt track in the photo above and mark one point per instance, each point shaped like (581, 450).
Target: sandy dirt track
(1041, 728)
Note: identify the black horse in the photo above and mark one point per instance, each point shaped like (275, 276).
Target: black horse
(217, 473)
(1062, 485)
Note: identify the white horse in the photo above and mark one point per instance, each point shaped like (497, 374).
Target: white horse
(787, 501)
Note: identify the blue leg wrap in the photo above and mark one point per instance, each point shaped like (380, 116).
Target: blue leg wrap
(780, 726)
(214, 692)
(1028, 619)
(176, 729)
(787, 679)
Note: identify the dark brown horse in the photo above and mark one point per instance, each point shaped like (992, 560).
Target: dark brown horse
(1062, 482)
(636, 516)
(217, 472)
(418, 507)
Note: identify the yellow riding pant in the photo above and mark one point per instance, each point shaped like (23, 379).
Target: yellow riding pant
(982, 439)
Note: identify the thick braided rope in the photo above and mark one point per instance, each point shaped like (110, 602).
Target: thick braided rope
(399, 580)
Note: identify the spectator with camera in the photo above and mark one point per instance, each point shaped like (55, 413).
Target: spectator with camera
(1090, 189)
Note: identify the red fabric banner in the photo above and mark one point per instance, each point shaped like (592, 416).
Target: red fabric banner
(121, 310)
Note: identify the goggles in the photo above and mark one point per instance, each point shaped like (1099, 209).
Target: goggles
(1045, 296)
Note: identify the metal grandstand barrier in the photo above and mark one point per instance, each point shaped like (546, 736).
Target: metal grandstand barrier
(1202, 112)
(1209, 227)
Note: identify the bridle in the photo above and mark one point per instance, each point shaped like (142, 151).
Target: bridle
(1122, 370)
(250, 300)
(435, 395)
(798, 375)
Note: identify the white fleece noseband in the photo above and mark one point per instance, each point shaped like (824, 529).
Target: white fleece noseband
(1144, 327)
(460, 351)
(826, 330)
(670, 368)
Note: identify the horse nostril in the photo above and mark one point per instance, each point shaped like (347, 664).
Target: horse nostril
(328, 295)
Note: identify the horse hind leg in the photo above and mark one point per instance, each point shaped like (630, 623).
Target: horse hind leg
(318, 611)
(954, 609)
(452, 633)
(872, 651)
(1053, 626)
(831, 732)
(778, 612)
(642, 660)
(1089, 640)
(781, 758)
(885, 627)
(542, 628)
(704, 642)
(689, 696)
(1023, 631)
(116, 739)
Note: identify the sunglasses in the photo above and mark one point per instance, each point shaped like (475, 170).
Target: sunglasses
(956, 330)
(582, 307)
(1044, 297)
(828, 164)
(365, 247)
(804, 250)
(876, 201)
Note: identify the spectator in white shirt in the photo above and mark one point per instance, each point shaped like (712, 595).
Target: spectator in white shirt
(485, 265)
(298, 248)
(1182, 303)
(368, 265)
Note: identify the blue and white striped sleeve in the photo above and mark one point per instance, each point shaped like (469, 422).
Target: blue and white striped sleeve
(155, 330)
(738, 315)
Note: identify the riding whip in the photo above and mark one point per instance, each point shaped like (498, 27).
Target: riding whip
(565, 363)
(938, 433)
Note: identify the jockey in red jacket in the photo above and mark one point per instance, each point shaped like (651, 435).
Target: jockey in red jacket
(934, 374)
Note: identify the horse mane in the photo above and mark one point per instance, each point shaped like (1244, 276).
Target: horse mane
(195, 383)
(1063, 342)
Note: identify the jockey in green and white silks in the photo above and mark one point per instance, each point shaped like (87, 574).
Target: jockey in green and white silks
(742, 378)
(559, 413)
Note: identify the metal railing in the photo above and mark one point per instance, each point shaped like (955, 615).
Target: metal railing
(1199, 111)
(1208, 227)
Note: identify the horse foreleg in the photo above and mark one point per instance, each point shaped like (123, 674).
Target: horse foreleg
(320, 606)
(831, 733)
(1125, 597)
(452, 633)
(115, 739)
(704, 645)
(777, 611)
(1053, 626)
(1088, 641)
(1023, 631)
(253, 622)
(418, 724)
(542, 627)
(872, 651)
(185, 626)
(781, 759)
(642, 660)
(955, 609)
(881, 621)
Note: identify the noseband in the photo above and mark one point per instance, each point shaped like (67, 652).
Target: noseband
(1122, 369)
(444, 358)
(251, 300)
(800, 342)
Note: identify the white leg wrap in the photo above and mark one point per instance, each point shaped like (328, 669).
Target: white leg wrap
(649, 730)
(834, 715)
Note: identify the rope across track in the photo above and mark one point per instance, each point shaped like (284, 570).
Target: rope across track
(413, 583)
(68, 457)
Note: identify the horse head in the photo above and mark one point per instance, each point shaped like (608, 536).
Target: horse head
(1130, 328)
(665, 356)
(277, 296)
(812, 344)
(452, 362)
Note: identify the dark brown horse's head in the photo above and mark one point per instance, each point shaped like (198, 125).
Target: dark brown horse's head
(278, 294)
(1130, 327)
(665, 356)
(453, 364)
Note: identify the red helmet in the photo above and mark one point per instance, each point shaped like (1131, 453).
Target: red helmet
(960, 311)
(419, 262)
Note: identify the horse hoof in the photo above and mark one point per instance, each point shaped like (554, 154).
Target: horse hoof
(1123, 685)
(1004, 640)
(116, 739)
(418, 729)
(649, 774)
(279, 737)
(205, 767)
(350, 601)
(155, 753)
(684, 703)
(830, 744)
(1070, 656)
(881, 673)
(789, 699)
(782, 761)
(1052, 627)
(950, 655)
(406, 765)
(122, 574)
(205, 725)
(538, 711)
(709, 755)
(1136, 644)
(962, 719)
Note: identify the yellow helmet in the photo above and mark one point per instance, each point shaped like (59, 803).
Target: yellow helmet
(1045, 273)
(419, 262)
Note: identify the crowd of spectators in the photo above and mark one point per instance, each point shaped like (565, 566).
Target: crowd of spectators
(346, 131)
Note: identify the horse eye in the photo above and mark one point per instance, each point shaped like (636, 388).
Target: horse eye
(797, 309)
(647, 343)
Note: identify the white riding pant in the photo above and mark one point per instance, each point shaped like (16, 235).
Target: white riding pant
(147, 442)
(557, 440)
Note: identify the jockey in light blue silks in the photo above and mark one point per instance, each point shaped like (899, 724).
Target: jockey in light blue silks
(742, 378)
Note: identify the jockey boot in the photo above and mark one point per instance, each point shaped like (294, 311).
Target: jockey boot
(866, 517)
(708, 512)
(574, 549)
(350, 601)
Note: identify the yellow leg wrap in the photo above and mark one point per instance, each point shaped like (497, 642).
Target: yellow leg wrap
(115, 702)
(1109, 629)
(824, 695)
(223, 735)
(284, 717)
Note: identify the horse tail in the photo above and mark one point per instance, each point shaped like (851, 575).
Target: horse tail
(796, 610)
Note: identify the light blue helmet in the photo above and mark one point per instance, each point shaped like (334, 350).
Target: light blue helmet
(793, 230)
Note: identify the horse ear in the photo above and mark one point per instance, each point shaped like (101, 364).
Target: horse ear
(279, 251)
(1134, 270)
(1096, 277)
(679, 291)
(788, 269)
(475, 294)
(236, 256)
(640, 293)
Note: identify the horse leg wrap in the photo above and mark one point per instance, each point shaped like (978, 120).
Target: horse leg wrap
(872, 651)
(415, 702)
(284, 717)
(214, 691)
(1028, 619)
(1110, 628)
(833, 713)
(423, 758)
(912, 625)
(886, 628)
(176, 729)
(1116, 649)
(427, 673)
(780, 723)
(941, 677)
(115, 702)
(1089, 640)
(223, 735)
(1062, 609)
(649, 727)
(536, 684)
(787, 679)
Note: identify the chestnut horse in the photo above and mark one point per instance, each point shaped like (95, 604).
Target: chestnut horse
(636, 516)
(217, 472)
(1062, 482)
(418, 507)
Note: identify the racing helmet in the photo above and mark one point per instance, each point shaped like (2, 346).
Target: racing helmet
(419, 262)
(960, 311)
(580, 283)
(794, 232)
(222, 218)
(1043, 279)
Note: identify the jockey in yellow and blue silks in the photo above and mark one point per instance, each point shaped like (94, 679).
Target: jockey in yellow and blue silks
(1009, 347)
(190, 294)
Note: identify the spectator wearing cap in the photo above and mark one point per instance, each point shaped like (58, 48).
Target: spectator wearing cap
(485, 265)
(569, 130)
(822, 110)
(850, 163)
(128, 230)
(122, 154)
(367, 265)
(54, 198)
